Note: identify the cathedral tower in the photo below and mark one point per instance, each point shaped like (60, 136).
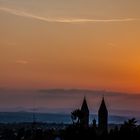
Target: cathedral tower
(103, 117)
(85, 114)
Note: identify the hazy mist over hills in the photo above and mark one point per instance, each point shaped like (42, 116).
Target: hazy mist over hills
(66, 100)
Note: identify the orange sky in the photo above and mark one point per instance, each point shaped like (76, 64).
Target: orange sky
(75, 44)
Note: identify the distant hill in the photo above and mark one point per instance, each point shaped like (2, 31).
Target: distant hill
(16, 117)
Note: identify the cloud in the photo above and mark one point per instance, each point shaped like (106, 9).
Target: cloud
(63, 20)
(23, 62)
(111, 44)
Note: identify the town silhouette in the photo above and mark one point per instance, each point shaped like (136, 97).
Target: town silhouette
(69, 69)
(79, 129)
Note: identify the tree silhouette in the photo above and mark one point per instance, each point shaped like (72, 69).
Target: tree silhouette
(131, 123)
(76, 116)
(129, 128)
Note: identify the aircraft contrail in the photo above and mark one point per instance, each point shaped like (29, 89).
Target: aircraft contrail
(63, 20)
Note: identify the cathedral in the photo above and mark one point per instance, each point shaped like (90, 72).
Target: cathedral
(102, 116)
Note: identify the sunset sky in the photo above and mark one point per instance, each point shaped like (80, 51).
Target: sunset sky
(84, 44)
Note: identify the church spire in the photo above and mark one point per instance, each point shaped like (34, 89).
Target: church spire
(84, 106)
(85, 112)
(103, 105)
(103, 117)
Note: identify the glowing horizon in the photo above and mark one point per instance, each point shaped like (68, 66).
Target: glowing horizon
(86, 45)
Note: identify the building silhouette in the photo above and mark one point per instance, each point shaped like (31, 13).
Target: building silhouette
(85, 114)
(103, 117)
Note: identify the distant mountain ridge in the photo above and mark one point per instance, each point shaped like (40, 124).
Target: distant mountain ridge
(67, 100)
(17, 117)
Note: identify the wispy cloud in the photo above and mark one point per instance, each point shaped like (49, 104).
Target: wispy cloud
(63, 20)
(23, 62)
(111, 44)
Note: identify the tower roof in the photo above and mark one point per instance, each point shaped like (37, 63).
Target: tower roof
(103, 106)
(84, 106)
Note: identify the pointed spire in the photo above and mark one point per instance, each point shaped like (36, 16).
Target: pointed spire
(84, 105)
(103, 117)
(103, 105)
(85, 114)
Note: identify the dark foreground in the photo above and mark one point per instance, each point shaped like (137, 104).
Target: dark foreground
(41, 131)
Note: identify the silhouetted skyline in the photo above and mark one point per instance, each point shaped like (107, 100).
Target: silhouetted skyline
(53, 53)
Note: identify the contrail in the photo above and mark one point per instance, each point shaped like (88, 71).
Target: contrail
(63, 20)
